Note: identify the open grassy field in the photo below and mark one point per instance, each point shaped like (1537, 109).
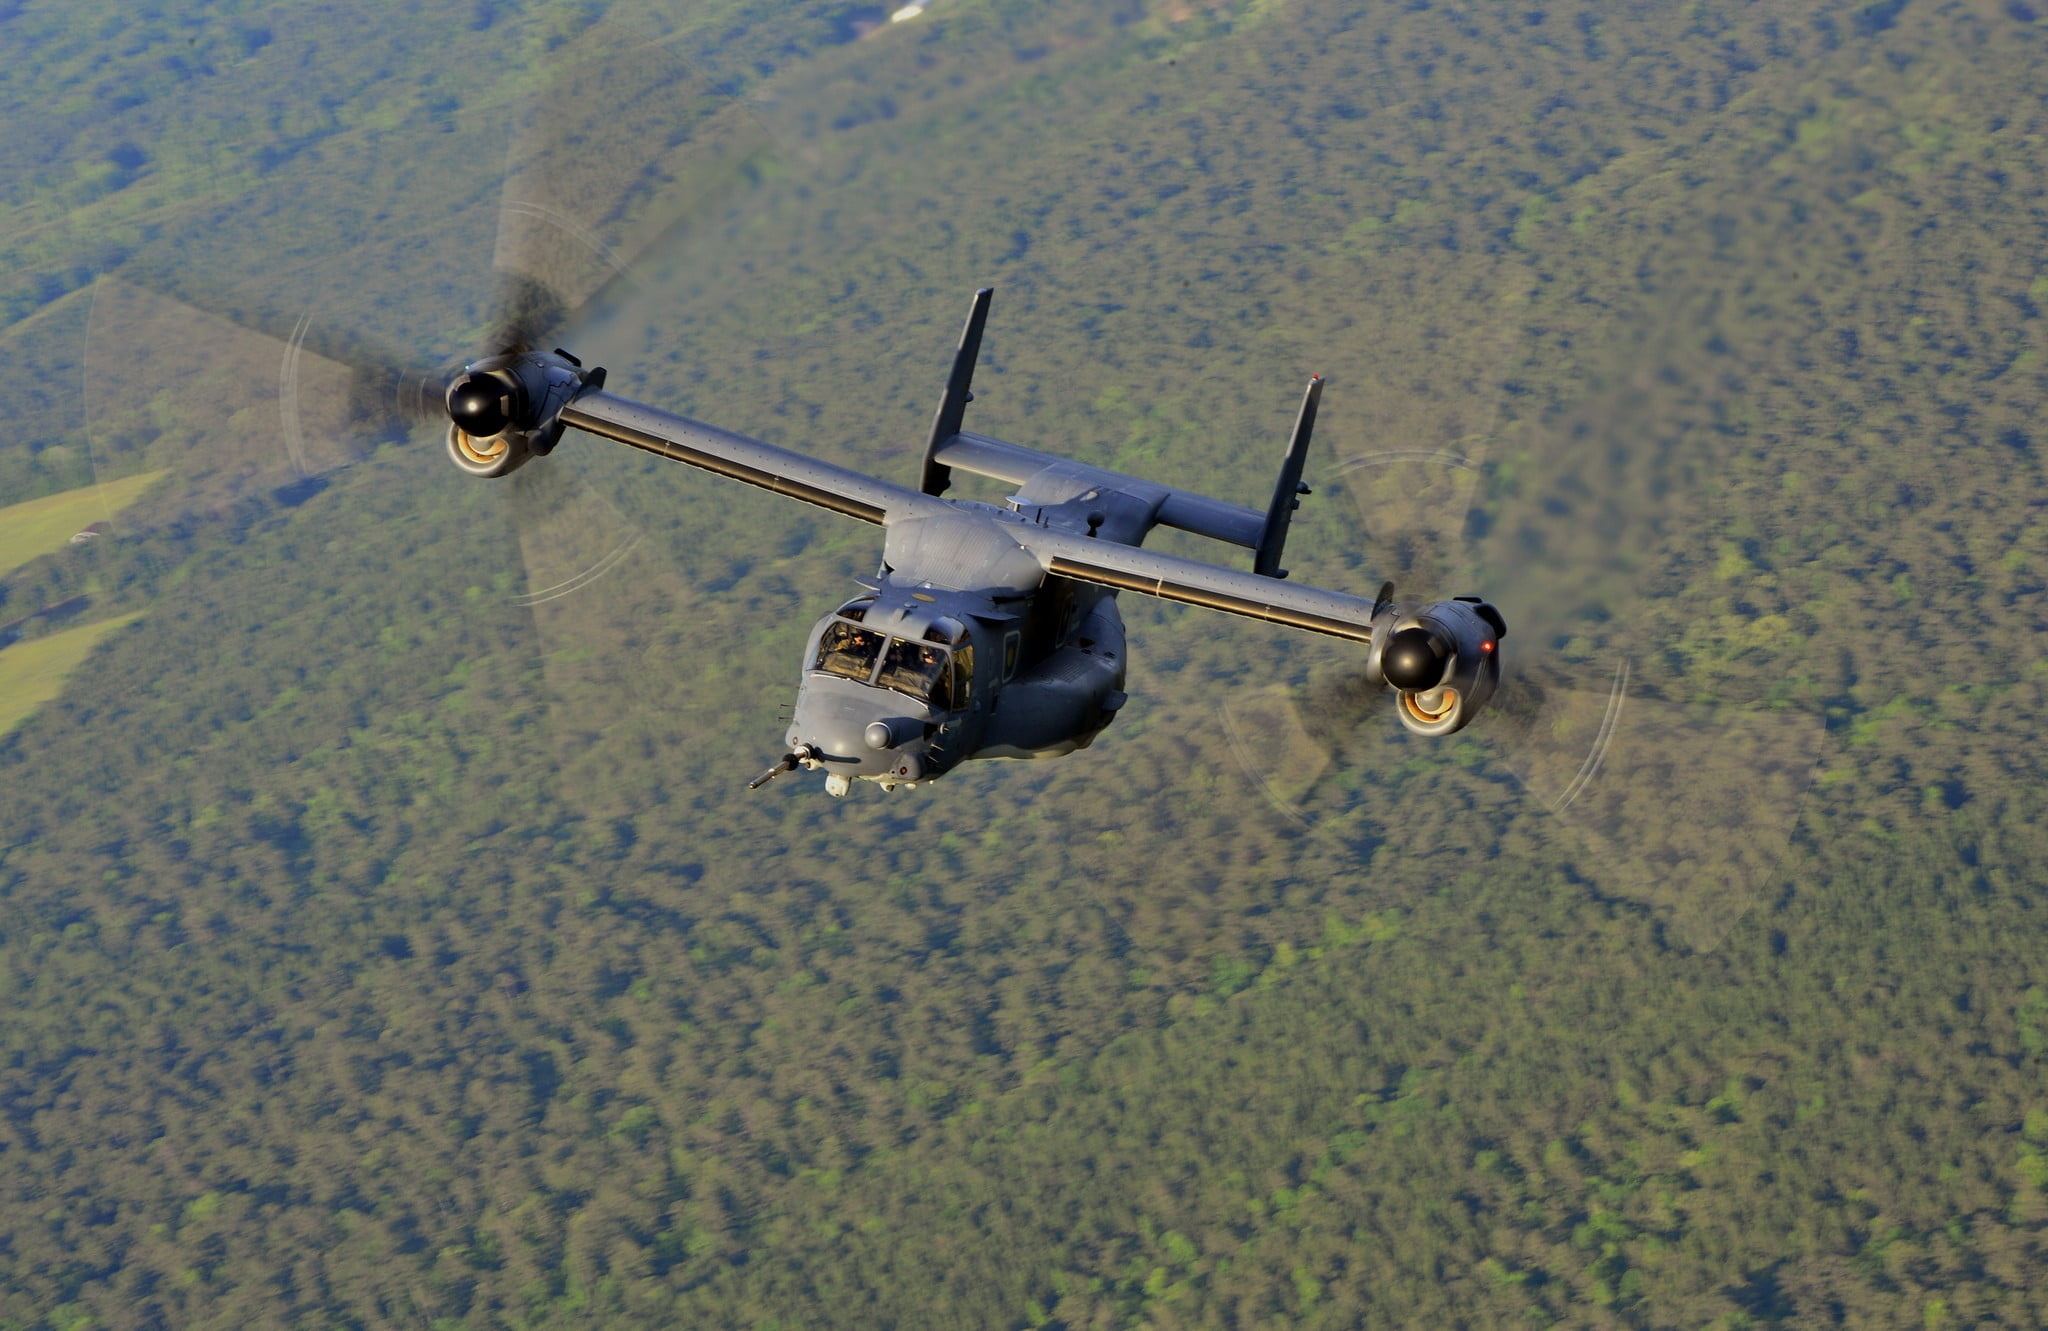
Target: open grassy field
(42, 525)
(33, 672)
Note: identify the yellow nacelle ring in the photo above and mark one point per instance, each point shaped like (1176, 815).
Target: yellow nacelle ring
(498, 455)
(1412, 703)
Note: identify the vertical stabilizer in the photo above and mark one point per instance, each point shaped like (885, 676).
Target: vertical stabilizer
(953, 406)
(1287, 490)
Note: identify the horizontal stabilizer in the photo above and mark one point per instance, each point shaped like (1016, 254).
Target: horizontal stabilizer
(1181, 509)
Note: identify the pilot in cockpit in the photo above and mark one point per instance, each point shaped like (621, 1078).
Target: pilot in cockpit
(918, 669)
(849, 651)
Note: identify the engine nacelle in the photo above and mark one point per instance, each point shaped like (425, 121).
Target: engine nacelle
(504, 410)
(1441, 659)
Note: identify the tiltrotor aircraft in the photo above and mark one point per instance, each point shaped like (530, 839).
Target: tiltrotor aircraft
(991, 631)
(249, 348)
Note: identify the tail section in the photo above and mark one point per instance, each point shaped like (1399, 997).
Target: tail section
(1287, 491)
(951, 447)
(953, 406)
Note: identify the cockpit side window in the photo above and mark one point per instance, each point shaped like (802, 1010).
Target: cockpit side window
(847, 650)
(963, 673)
(918, 669)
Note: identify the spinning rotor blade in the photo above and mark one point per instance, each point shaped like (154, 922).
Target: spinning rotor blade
(1686, 807)
(229, 412)
(1402, 498)
(245, 373)
(1676, 765)
(606, 609)
(623, 144)
(403, 252)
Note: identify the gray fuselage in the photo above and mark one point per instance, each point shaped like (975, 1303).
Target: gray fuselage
(990, 631)
(907, 681)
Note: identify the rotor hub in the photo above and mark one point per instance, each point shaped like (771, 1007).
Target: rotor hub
(481, 404)
(1414, 659)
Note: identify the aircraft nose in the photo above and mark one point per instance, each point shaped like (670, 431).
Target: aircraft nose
(843, 725)
(843, 743)
(892, 733)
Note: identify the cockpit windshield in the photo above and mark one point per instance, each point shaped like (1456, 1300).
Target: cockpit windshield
(920, 670)
(848, 650)
(926, 671)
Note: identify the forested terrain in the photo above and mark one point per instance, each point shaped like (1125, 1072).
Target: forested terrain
(378, 948)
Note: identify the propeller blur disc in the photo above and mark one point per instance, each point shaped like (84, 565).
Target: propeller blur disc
(262, 343)
(1672, 775)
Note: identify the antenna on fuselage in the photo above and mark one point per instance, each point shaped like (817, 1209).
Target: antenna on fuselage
(953, 406)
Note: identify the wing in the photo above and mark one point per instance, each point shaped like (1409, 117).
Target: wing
(680, 439)
(1170, 577)
(1059, 553)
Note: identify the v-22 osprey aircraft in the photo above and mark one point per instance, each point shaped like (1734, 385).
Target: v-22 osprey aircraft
(991, 631)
